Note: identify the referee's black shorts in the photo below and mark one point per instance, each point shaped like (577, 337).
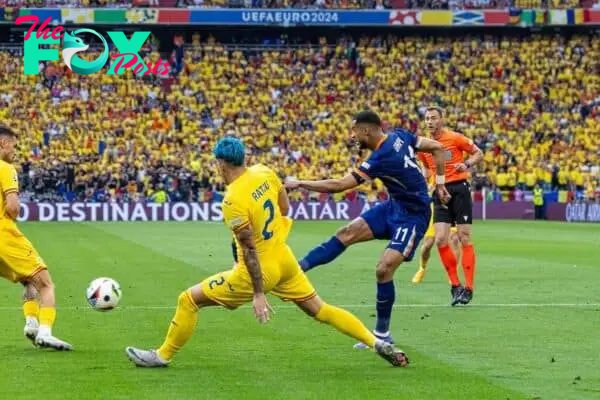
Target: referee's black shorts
(459, 210)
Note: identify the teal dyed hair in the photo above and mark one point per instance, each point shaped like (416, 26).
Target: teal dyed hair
(230, 150)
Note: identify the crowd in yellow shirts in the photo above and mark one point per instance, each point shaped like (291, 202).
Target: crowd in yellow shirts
(531, 104)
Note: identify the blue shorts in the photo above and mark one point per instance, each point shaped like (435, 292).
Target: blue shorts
(403, 227)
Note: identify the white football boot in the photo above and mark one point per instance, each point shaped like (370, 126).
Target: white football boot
(145, 358)
(31, 329)
(44, 339)
(52, 342)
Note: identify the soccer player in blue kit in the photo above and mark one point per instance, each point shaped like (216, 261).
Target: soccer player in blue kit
(403, 219)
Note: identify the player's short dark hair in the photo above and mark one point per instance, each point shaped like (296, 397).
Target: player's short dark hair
(440, 110)
(5, 131)
(367, 117)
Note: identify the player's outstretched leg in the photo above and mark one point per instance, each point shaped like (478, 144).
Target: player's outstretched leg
(180, 330)
(348, 324)
(31, 309)
(424, 259)
(355, 232)
(47, 312)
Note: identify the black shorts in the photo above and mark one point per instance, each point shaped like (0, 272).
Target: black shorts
(459, 209)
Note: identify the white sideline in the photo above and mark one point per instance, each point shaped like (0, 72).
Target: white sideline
(351, 306)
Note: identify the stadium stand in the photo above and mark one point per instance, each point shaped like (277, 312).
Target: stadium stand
(102, 137)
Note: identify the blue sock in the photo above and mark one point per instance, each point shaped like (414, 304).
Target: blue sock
(386, 295)
(323, 254)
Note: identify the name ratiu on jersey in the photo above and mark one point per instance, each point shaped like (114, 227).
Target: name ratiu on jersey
(260, 190)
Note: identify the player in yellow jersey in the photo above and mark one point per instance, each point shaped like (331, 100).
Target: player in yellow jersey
(254, 208)
(19, 261)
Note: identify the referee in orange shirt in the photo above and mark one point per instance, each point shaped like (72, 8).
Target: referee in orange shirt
(459, 210)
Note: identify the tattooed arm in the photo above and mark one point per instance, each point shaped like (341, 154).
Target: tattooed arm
(250, 256)
(260, 304)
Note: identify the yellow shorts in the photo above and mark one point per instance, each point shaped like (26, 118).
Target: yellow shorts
(18, 259)
(282, 277)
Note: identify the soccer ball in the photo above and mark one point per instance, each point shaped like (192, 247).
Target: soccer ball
(103, 294)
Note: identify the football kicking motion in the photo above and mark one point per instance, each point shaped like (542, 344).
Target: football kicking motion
(19, 261)
(403, 219)
(253, 208)
(459, 210)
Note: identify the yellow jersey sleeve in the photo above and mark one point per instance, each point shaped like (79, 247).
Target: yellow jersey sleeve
(9, 181)
(235, 215)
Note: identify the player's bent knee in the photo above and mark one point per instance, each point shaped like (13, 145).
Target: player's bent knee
(428, 244)
(311, 306)
(344, 234)
(354, 232)
(464, 238)
(186, 302)
(385, 271)
(197, 297)
(441, 241)
(387, 265)
(41, 281)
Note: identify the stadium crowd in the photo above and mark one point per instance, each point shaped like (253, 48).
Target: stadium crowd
(103, 137)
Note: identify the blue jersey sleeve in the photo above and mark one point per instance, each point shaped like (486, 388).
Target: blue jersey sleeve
(368, 169)
(409, 137)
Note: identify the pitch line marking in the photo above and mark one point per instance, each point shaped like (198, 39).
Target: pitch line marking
(351, 306)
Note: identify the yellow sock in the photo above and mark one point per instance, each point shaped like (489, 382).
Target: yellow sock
(181, 328)
(31, 309)
(47, 318)
(423, 263)
(346, 323)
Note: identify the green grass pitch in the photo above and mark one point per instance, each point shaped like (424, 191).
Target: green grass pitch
(532, 332)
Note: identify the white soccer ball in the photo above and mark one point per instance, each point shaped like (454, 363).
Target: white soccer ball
(104, 294)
